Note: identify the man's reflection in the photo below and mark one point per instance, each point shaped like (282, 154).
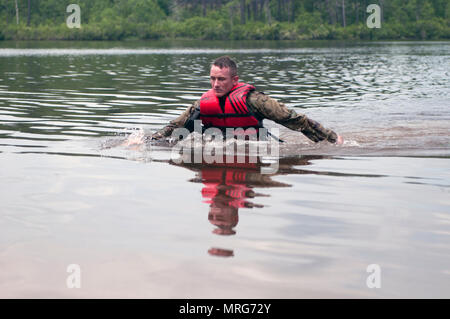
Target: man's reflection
(229, 186)
(226, 190)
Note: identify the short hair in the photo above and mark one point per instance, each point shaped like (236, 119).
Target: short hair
(226, 62)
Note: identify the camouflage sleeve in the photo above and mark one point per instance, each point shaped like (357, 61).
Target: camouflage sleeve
(278, 112)
(178, 122)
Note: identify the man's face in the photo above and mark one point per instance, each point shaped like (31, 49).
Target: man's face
(221, 80)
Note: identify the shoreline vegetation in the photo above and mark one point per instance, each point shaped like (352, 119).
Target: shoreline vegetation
(225, 20)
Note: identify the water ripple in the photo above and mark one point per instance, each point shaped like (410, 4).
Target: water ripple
(90, 92)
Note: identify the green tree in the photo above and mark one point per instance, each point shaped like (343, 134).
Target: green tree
(17, 11)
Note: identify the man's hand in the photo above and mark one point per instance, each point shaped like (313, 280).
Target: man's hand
(339, 140)
(156, 136)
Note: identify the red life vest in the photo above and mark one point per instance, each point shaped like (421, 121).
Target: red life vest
(235, 112)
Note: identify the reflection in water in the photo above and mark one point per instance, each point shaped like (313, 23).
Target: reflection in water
(229, 186)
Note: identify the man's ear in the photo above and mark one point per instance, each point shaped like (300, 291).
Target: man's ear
(235, 79)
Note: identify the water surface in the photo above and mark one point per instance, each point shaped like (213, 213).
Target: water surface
(140, 225)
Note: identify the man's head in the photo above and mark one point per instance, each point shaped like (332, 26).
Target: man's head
(223, 75)
(224, 216)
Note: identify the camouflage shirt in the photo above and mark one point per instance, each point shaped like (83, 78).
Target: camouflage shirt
(263, 106)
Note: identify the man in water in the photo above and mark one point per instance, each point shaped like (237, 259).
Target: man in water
(231, 104)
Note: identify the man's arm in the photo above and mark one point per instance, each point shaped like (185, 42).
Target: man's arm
(180, 121)
(278, 112)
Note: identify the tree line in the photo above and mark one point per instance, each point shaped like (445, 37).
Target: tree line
(225, 19)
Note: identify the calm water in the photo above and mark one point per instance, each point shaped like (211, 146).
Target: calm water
(79, 187)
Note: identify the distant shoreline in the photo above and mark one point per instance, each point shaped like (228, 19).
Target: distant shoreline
(257, 31)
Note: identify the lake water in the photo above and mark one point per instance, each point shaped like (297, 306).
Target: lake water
(78, 186)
